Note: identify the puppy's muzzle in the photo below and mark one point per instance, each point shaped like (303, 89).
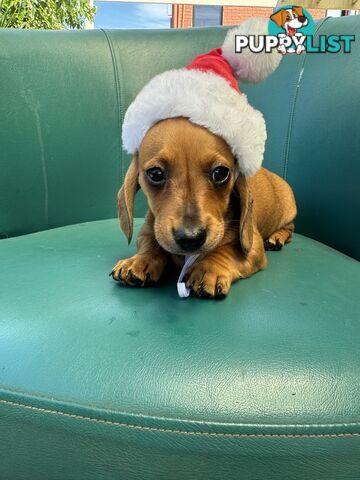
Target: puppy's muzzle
(189, 240)
(302, 19)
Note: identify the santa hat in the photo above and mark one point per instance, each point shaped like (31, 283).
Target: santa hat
(207, 93)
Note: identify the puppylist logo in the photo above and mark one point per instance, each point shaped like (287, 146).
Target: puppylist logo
(291, 30)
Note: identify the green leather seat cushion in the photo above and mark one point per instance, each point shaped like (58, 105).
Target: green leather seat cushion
(282, 349)
(102, 379)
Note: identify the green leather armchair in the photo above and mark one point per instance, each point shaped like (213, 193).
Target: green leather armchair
(100, 381)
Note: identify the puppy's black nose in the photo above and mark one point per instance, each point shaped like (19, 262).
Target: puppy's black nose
(302, 19)
(189, 240)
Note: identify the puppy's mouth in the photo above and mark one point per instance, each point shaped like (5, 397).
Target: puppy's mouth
(295, 24)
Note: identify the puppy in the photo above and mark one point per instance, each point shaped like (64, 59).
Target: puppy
(198, 204)
(290, 19)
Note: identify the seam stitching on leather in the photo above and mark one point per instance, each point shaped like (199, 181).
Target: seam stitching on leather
(293, 105)
(119, 98)
(184, 432)
(174, 419)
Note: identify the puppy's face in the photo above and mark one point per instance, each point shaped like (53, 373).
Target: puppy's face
(187, 175)
(292, 17)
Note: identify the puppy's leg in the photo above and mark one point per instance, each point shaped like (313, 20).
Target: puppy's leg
(213, 275)
(146, 267)
(278, 239)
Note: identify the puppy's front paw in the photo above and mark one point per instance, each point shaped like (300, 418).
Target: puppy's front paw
(273, 244)
(141, 270)
(278, 239)
(207, 280)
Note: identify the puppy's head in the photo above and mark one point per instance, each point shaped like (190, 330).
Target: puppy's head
(293, 18)
(187, 175)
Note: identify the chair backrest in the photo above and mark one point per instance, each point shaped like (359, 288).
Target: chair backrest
(63, 96)
(312, 108)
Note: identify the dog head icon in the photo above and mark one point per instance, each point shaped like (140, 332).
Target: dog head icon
(290, 19)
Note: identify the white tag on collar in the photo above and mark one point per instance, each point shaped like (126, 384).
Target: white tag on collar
(183, 291)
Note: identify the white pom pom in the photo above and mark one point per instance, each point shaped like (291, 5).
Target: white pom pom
(250, 67)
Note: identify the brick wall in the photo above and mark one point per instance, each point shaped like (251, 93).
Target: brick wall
(235, 15)
(182, 14)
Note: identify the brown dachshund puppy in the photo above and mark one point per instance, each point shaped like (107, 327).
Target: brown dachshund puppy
(198, 204)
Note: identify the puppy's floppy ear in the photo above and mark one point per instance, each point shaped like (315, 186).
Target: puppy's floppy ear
(246, 227)
(299, 11)
(126, 197)
(278, 17)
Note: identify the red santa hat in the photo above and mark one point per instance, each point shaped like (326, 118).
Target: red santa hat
(207, 93)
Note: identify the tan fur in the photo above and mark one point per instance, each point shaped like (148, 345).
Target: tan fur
(238, 216)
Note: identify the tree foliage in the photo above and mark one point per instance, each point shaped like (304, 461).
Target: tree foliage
(45, 14)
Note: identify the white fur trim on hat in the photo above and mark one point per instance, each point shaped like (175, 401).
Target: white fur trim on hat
(206, 99)
(250, 67)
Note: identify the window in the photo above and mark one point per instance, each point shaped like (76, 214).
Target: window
(207, 15)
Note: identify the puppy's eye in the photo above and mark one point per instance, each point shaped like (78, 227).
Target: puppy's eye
(155, 175)
(220, 175)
